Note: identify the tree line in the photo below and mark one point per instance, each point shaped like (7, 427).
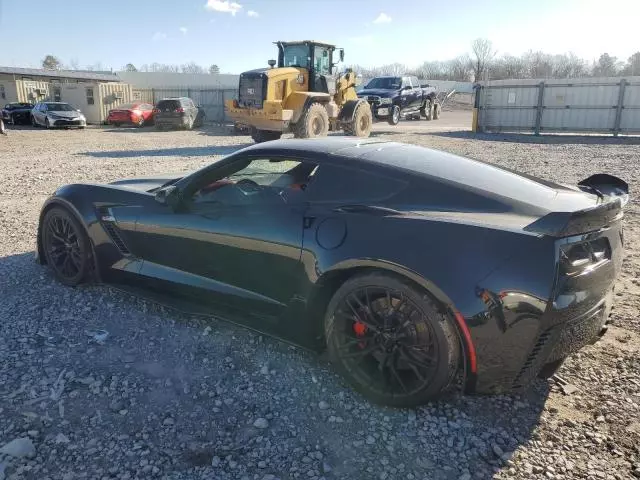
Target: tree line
(51, 62)
(483, 63)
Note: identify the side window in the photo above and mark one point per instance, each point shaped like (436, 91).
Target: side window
(90, 99)
(261, 181)
(322, 65)
(406, 82)
(348, 185)
(415, 82)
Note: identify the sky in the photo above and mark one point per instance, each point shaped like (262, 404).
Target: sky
(238, 35)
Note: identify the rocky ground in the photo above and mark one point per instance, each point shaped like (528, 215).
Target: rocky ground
(96, 384)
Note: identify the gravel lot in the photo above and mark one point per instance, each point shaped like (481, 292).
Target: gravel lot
(169, 396)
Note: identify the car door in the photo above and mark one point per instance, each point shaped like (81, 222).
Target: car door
(36, 112)
(406, 94)
(240, 252)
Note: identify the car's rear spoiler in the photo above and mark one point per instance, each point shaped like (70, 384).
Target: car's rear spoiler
(612, 191)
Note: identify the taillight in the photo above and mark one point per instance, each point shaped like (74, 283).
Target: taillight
(180, 110)
(156, 110)
(579, 257)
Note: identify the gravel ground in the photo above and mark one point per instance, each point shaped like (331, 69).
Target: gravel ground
(169, 396)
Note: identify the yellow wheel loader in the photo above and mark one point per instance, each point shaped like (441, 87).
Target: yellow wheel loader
(303, 95)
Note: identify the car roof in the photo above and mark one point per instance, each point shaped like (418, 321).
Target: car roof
(415, 160)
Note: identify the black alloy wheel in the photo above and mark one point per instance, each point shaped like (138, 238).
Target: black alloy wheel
(66, 246)
(390, 342)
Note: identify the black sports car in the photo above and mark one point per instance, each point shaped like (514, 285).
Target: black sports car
(409, 265)
(17, 113)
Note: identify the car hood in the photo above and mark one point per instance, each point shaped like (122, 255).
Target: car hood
(380, 92)
(148, 184)
(65, 114)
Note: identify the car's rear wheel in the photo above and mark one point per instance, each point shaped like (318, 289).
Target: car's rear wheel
(437, 108)
(389, 340)
(428, 110)
(66, 246)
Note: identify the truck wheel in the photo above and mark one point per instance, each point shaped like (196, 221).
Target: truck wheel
(260, 136)
(428, 110)
(436, 111)
(360, 126)
(313, 123)
(394, 116)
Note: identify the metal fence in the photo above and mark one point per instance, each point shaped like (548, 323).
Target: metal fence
(210, 99)
(593, 105)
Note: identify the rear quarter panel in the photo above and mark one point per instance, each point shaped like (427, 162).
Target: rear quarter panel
(463, 266)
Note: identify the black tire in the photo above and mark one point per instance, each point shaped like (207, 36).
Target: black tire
(260, 136)
(428, 110)
(362, 121)
(313, 123)
(394, 116)
(3, 130)
(437, 108)
(548, 370)
(388, 339)
(66, 246)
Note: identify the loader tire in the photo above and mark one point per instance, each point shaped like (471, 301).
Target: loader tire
(260, 136)
(313, 123)
(360, 125)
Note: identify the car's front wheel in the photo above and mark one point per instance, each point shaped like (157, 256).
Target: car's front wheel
(390, 341)
(394, 116)
(66, 246)
(33, 121)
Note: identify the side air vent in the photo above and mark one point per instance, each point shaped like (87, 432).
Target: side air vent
(532, 360)
(107, 220)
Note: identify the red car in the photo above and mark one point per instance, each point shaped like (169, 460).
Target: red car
(138, 114)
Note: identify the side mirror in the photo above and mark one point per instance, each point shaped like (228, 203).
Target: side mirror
(342, 54)
(169, 196)
(272, 63)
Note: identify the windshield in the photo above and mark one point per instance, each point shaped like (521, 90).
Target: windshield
(385, 83)
(59, 107)
(296, 56)
(128, 106)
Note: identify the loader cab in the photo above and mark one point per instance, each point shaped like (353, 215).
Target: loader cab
(315, 57)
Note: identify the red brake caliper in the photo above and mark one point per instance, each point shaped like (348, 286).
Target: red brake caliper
(360, 330)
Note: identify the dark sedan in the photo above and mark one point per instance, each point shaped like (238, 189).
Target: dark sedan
(178, 112)
(17, 113)
(409, 265)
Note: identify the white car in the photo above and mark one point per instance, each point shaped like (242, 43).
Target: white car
(57, 114)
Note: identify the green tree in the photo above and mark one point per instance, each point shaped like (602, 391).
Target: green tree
(130, 67)
(51, 63)
(214, 69)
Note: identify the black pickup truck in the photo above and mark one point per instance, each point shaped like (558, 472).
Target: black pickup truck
(393, 98)
(16, 113)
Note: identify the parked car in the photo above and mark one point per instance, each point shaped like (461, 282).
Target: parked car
(17, 113)
(393, 98)
(57, 114)
(408, 264)
(179, 112)
(137, 113)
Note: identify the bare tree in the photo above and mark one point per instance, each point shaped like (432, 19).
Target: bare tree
(51, 63)
(633, 65)
(460, 68)
(606, 66)
(483, 54)
(74, 64)
(192, 67)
